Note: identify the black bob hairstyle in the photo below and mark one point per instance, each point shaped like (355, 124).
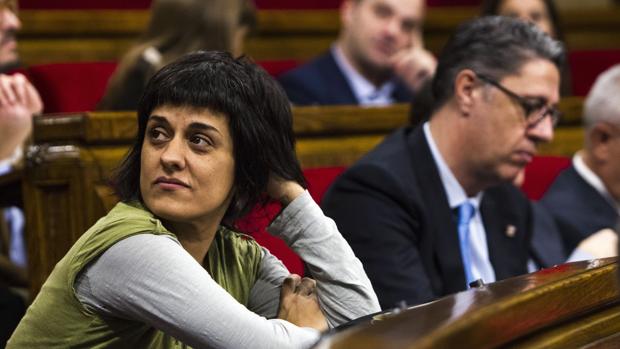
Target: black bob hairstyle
(259, 118)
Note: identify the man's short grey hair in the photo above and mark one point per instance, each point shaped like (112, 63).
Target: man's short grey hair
(603, 101)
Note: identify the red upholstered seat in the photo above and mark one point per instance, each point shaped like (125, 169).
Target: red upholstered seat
(71, 87)
(585, 66)
(541, 172)
(255, 224)
(277, 67)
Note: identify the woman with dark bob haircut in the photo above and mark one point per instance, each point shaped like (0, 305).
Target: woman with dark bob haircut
(163, 269)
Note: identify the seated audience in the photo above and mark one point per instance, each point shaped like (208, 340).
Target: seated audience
(164, 268)
(585, 198)
(433, 208)
(543, 13)
(177, 27)
(378, 59)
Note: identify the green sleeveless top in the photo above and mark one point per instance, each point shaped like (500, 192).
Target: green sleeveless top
(57, 319)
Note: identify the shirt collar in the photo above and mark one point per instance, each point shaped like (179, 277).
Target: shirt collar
(593, 179)
(7, 164)
(454, 190)
(365, 92)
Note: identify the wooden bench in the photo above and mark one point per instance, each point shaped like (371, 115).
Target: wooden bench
(50, 36)
(64, 182)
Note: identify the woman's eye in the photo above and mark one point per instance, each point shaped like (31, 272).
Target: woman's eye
(157, 134)
(200, 140)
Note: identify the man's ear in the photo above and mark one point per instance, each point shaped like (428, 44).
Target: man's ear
(599, 138)
(464, 90)
(346, 12)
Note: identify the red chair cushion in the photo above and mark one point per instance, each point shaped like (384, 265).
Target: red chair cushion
(585, 67)
(541, 172)
(256, 222)
(277, 67)
(71, 87)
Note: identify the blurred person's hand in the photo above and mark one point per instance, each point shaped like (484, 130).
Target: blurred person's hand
(414, 66)
(19, 101)
(299, 304)
(602, 244)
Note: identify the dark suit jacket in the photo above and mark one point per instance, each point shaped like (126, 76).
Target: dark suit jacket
(393, 210)
(321, 81)
(578, 208)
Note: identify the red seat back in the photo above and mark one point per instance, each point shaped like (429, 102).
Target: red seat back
(585, 67)
(71, 87)
(541, 172)
(277, 67)
(255, 224)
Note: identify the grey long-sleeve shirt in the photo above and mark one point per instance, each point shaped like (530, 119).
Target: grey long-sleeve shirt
(151, 278)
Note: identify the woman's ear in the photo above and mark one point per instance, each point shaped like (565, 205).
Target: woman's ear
(464, 90)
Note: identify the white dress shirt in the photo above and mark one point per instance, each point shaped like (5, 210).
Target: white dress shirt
(481, 267)
(594, 180)
(14, 218)
(366, 93)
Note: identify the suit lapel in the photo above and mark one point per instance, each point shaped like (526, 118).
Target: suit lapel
(440, 225)
(505, 234)
(401, 93)
(338, 88)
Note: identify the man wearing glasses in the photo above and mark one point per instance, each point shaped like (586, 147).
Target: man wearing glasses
(432, 209)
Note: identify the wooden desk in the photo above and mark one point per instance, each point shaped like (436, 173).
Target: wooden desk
(574, 305)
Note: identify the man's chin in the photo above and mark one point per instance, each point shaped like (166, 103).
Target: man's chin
(9, 63)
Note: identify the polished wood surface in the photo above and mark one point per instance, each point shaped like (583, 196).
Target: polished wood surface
(95, 35)
(573, 305)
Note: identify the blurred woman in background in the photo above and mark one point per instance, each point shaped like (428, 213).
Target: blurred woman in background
(178, 27)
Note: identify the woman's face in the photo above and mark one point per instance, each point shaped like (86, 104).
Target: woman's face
(187, 165)
(533, 11)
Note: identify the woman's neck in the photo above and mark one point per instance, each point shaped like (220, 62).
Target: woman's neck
(196, 238)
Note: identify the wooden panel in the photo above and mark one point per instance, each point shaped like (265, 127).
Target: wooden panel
(543, 308)
(82, 35)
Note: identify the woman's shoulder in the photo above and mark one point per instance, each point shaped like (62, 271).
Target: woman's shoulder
(236, 238)
(128, 218)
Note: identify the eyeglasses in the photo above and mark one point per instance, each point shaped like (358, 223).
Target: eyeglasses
(535, 109)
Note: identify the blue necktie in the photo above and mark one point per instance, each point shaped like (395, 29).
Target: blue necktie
(466, 213)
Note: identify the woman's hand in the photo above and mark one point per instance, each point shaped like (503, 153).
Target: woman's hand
(299, 304)
(283, 190)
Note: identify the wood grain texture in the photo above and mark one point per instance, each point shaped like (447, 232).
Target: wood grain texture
(572, 305)
(82, 35)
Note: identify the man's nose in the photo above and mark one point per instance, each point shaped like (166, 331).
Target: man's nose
(10, 20)
(392, 26)
(542, 131)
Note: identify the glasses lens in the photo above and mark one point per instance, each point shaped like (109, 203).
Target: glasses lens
(539, 115)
